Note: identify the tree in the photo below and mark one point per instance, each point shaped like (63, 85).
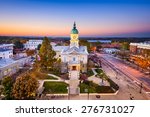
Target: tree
(30, 52)
(1, 90)
(18, 45)
(7, 83)
(47, 55)
(25, 87)
(125, 46)
(85, 43)
(39, 46)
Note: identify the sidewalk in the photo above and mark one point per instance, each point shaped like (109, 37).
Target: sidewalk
(97, 80)
(126, 87)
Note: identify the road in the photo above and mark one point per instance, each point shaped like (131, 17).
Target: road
(120, 67)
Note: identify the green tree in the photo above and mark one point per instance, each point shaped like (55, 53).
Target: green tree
(47, 55)
(18, 45)
(7, 83)
(83, 42)
(25, 87)
(125, 45)
(39, 46)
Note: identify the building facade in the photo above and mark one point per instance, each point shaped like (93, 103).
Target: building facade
(6, 51)
(140, 49)
(11, 66)
(73, 57)
(74, 60)
(32, 44)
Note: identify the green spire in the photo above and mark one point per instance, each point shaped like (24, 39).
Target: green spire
(74, 30)
(74, 25)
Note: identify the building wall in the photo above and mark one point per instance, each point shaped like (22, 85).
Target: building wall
(9, 70)
(133, 49)
(80, 61)
(32, 44)
(7, 46)
(6, 54)
(13, 67)
(140, 49)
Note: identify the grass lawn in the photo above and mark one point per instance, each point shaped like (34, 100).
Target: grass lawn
(90, 73)
(95, 88)
(104, 76)
(55, 87)
(42, 76)
(51, 78)
(99, 71)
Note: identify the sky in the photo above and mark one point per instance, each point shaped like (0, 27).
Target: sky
(122, 18)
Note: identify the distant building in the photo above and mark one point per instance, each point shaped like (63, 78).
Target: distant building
(8, 63)
(110, 50)
(101, 41)
(11, 66)
(7, 46)
(6, 51)
(32, 44)
(140, 49)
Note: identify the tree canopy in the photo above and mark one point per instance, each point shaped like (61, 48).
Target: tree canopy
(46, 55)
(25, 87)
(18, 45)
(7, 83)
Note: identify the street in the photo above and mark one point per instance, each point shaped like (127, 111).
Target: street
(126, 70)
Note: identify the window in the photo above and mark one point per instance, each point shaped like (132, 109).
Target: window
(74, 59)
(64, 59)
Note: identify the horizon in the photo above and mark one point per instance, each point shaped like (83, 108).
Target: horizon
(109, 18)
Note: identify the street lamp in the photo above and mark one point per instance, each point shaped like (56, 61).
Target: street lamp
(148, 70)
(102, 77)
(87, 91)
(141, 86)
(68, 93)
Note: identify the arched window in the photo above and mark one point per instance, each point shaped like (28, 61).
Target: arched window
(74, 58)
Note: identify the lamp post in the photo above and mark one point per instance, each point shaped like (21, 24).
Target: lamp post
(148, 70)
(68, 93)
(141, 86)
(87, 91)
(102, 77)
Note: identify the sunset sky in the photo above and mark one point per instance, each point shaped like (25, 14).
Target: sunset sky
(93, 17)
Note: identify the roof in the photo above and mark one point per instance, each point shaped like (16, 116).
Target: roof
(6, 62)
(80, 50)
(74, 30)
(59, 48)
(4, 50)
(6, 45)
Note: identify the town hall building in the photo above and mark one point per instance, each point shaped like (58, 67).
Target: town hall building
(73, 57)
(74, 60)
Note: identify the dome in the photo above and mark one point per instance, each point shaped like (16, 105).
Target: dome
(74, 30)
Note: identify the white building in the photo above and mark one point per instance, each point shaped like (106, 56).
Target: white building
(74, 60)
(73, 57)
(110, 50)
(32, 44)
(6, 46)
(6, 51)
(11, 66)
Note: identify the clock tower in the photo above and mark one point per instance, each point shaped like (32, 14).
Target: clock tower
(74, 41)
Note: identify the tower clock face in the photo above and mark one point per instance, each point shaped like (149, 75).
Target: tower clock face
(74, 37)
